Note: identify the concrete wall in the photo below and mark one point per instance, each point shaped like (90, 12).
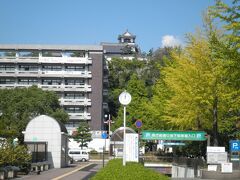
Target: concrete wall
(96, 96)
(46, 129)
(183, 172)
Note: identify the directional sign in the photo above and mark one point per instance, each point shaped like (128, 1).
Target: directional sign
(235, 145)
(174, 135)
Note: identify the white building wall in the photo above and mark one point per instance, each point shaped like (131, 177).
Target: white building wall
(46, 129)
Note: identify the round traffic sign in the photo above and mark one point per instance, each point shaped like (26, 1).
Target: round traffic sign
(104, 135)
(138, 123)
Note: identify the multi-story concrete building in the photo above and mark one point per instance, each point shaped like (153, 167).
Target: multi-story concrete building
(75, 73)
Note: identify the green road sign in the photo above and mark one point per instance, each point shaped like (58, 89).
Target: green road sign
(174, 135)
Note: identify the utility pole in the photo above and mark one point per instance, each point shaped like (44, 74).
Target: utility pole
(109, 122)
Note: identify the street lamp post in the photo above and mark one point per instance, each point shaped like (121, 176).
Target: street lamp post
(124, 98)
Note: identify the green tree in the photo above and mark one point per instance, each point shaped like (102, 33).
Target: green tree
(201, 97)
(82, 135)
(136, 88)
(19, 106)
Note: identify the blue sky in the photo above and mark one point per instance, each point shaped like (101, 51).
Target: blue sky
(95, 21)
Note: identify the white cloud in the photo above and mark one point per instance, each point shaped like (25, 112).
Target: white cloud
(170, 41)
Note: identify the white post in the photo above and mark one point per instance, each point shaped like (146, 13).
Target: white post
(124, 98)
(109, 125)
(124, 135)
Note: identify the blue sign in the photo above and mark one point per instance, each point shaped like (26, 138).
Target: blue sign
(235, 145)
(104, 135)
(138, 123)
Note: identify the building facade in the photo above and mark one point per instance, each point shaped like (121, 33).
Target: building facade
(75, 73)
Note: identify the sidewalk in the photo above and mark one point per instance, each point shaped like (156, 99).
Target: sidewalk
(81, 170)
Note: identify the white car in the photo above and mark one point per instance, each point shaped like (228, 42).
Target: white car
(78, 155)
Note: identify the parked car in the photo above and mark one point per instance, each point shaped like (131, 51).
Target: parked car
(78, 154)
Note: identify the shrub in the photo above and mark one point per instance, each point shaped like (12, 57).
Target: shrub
(13, 155)
(115, 171)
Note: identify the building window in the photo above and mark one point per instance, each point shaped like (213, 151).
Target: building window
(74, 95)
(51, 68)
(28, 54)
(74, 53)
(51, 54)
(28, 68)
(5, 67)
(7, 81)
(74, 68)
(51, 82)
(127, 40)
(74, 82)
(74, 109)
(28, 81)
(7, 54)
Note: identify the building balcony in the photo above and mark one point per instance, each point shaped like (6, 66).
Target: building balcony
(105, 92)
(105, 80)
(9, 73)
(70, 88)
(19, 60)
(82, 88)
(79, 116)
(105, 106)
(75, 102)
(65, 60)
(14, 73)
(27, 74)
(72, 74)
(46, 60)
(10, 86)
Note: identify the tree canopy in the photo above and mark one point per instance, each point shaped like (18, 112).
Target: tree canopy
(18, 106)
(82, 135)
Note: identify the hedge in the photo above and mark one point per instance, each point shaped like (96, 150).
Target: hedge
(115, 171)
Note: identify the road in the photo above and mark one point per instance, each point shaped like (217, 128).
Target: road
(81, 170)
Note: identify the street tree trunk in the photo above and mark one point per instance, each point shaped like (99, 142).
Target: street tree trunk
(215, 121)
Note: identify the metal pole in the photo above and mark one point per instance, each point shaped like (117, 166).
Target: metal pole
(109, 128)
(124, 136)
(208, 140)
(103, 154)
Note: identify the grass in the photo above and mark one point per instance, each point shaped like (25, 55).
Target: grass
(116, 171)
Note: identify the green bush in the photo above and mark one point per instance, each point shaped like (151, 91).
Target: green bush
(13, 155)
(115, 171)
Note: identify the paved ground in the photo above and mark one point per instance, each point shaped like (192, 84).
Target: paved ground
(81, 170)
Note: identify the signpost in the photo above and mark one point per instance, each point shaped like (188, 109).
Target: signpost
(235, 145)
(235, 150)
(124, 98)
(132, 147)
(175, 135)
(104, 136)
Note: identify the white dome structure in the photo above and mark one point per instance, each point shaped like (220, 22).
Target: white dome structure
(47, 139)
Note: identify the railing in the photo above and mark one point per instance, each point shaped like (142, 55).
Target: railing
(52, 60)
(83, 102)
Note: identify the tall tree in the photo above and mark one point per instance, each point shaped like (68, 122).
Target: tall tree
(201, 98)
(18, 106)
(136, 88)
(82, 135)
